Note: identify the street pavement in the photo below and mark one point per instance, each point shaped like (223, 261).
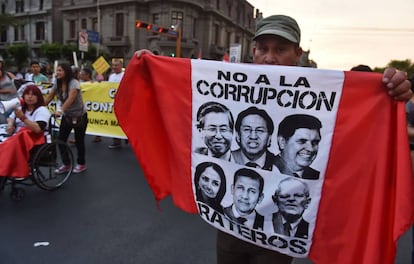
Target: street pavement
(108, 215)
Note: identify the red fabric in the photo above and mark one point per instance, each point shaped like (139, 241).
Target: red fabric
(367, 196)
(15, 153)
(155, 114)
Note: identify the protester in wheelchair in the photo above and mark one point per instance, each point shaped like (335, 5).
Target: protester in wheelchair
(32, 114)
(26, 125)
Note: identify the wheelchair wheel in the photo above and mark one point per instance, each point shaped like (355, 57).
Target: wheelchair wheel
(46, 160)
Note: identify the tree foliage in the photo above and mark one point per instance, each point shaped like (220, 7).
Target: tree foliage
(7, 20)
(19, 53)
(403, 65)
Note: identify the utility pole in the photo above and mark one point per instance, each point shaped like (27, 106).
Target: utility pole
(98, 14)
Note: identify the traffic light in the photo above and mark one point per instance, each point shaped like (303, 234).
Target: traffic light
(172, 54)
(156, 29)
(140, 24)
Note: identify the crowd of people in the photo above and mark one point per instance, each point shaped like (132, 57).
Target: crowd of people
(66, 91)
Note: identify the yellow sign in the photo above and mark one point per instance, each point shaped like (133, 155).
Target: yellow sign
(101, 65)
(98, 98)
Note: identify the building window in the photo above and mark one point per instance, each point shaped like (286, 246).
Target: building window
(3, 36)
(84, 24)
(218, 4)
(216, 35)
(195, 28)
(72, 29)
(19, 6)
(3, 8)
(19, 33)
(41, 5)
(95, 24)
(40, 31)
(119, 24)
(177, 19)
(156, 19)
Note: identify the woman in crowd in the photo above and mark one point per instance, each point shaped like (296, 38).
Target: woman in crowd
(33, 114)
(73, 113)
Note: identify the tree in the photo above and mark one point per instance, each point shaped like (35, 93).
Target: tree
(20, 53)
(7, 20)
(403, 65)
(51, 51)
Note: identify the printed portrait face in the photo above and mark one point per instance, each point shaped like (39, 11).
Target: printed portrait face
(300, 150)
(217, 134)
(246, 194)
(292, 199)
(254, 136)
(210, 182)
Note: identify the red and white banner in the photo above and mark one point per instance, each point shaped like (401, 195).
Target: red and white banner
(359, 187)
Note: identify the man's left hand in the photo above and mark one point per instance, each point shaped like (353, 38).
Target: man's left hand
(397, 84)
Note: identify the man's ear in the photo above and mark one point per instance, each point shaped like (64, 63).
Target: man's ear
(307, 203)
(238, 139)
(260, 198)
(281, 141)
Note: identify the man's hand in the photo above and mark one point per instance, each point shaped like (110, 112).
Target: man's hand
(397, 84)
(141, 52)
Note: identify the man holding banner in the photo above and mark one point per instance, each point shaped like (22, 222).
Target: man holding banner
(277, 43)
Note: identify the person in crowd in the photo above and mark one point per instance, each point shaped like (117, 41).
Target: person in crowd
(410, 130)
(210, 184)
(85, 75)
(37, 76)
(73, 113)
(362, 67)
(254, 129)
(277, 42)
(116, 76)
(215, 122)
(298, 137)
(33, 113)
(292, 198)
(7, 92)
(26, 126)
(247, 191)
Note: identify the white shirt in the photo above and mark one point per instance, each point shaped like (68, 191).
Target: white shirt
(115, 77)
(40, 114)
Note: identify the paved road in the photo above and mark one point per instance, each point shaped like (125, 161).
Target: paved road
(108, 215)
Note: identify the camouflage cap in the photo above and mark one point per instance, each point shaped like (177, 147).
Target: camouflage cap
(279, 25)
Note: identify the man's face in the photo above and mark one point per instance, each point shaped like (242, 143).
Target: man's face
(275, 50)
(35, 69)
(210, 182)
(116, 67)
(246, 195)
(292, 199)
(217, 133)
(300, 150)
(254, 136)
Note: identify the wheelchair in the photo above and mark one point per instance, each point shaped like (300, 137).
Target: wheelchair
(44, 160)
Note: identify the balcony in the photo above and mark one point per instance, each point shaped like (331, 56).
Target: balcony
(117, 41)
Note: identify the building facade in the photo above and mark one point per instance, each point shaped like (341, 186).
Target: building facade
(208, 27)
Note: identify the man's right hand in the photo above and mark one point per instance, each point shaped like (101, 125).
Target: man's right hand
(141, 52)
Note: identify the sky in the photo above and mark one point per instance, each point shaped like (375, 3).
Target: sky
(341, 34)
